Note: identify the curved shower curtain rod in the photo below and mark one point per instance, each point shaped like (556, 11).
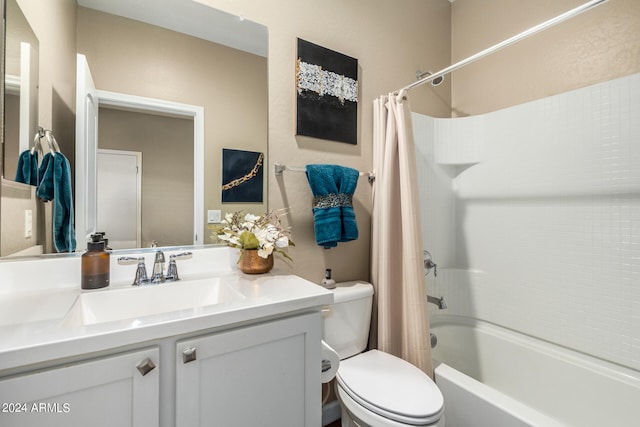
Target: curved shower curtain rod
(523, 35)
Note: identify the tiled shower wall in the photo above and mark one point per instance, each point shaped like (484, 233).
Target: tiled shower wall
(533, 216)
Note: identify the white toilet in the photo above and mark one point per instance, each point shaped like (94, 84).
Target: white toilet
(375, 388)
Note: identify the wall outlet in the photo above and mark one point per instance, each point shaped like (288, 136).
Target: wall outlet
(28, 223)
(214, 216)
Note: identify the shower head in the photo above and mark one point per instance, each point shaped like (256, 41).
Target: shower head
(435, 82)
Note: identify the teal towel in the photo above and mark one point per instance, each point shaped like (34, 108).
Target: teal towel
(334, 218)
(55, 184)
(27, 170)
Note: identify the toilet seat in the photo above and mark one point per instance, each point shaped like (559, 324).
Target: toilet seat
(391, 387)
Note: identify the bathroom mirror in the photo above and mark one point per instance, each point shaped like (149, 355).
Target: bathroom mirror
(21, 87)
(233, 96)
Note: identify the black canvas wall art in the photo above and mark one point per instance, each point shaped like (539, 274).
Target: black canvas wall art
(327, 94)
(241, 176)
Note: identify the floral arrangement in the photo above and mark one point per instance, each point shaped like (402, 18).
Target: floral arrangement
(264, 233)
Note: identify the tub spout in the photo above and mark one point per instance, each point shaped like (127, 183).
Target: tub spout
(437, 301)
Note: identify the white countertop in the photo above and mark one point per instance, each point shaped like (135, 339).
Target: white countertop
(44, 335)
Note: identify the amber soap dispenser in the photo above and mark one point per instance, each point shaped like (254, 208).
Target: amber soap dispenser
(95, 264)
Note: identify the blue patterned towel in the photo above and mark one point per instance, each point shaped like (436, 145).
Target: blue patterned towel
(334, 218)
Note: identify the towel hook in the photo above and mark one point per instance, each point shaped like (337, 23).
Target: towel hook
(51, 141)
(53, 144)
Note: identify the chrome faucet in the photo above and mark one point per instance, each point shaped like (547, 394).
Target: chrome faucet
(158, 268)
(437, 301)
(158, 275)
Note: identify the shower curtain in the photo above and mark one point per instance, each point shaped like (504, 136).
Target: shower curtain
(400, 323)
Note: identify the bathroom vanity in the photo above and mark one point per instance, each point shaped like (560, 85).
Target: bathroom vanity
(215, 348)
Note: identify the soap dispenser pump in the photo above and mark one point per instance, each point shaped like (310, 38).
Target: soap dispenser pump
(328, 282)
(95, 264)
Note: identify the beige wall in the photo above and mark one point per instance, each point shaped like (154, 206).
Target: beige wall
(595, 46)
(391, 40)
(166, 144)
(231, 85)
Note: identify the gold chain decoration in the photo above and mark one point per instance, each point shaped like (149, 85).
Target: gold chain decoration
(245, 178)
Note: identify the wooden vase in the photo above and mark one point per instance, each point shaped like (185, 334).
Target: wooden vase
(252, 263)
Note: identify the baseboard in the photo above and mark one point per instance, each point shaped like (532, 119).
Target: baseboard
(331, 412)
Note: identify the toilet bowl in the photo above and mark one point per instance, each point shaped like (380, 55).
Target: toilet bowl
(375, 388)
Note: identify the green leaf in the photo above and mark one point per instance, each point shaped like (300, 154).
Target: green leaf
(249, 240)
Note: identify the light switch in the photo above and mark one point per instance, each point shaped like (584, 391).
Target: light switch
(214, 216)
(28, 223)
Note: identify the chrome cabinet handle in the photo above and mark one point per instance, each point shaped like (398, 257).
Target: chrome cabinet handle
(188, 355)
(146, 366)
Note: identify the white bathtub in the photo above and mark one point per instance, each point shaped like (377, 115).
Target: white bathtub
(491, 376)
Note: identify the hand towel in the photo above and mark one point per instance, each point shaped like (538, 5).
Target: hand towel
(27, 170)
(334, 218)
(55, 184)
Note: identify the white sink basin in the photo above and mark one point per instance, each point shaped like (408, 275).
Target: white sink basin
(136, 302)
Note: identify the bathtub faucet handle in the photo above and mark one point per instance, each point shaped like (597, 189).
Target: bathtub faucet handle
(429, 264)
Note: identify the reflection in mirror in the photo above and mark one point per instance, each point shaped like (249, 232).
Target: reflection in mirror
(218, 62)
(170, 67)
(21, 90)
(129, 139)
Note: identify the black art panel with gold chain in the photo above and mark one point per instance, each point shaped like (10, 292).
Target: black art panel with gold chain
(242, 176)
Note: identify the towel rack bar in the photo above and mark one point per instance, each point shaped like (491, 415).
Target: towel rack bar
(279, 168)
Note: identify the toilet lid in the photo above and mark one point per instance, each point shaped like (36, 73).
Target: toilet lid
(391, 387)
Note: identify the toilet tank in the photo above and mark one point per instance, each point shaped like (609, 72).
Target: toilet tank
(346, 322)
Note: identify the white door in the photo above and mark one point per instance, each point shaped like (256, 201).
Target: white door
(86, 151)
(120, 197)
(120, 390)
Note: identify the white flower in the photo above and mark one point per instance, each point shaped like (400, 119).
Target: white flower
(251, 218)
(261, 234)
(265, 250)
(272, 233)
(282, 242)
(230, 238)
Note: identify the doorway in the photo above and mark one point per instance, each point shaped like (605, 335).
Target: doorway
(88, 102)
(167, 171)
(120, 197)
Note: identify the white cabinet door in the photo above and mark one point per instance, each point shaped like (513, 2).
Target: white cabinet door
(107, 392)
(266, 375)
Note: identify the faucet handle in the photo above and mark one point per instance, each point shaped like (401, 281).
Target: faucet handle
(141, 271)
(181, 255)
(172, 270)
(429, 264)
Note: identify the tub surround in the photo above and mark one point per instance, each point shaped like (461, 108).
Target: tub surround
(545, 222)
